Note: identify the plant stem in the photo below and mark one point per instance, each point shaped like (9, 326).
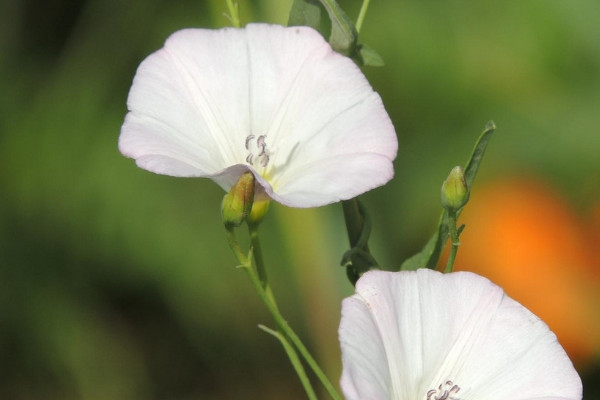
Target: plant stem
(284, 327)
(361, 14)
(454, 241)
(253, 264)
(296, 363)
(354, 221)
(259, 261)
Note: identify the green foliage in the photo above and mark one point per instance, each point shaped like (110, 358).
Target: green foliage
(343, 35)
(430, 255)
(305, 13)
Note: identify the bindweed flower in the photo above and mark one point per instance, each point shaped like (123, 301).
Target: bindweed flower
(423, 335)
(276, 101)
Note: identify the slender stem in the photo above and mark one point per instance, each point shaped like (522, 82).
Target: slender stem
(254, 267)
(454, 241)
(283, 326)
(261, 278)
(354, 221)
(361, 14)
(268, 299)
(235, 247)
(259, 261)
(294, 359)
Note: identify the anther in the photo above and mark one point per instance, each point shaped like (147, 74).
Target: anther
(248, 140)
(257, 150)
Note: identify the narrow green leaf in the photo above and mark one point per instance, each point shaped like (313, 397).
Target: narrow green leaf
(429, 256)
(478, 151)
(370, 57)
(343, 32)
(305, 13)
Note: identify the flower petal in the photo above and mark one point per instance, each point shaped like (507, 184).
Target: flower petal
(195, 102)
(428, 329)
(189, 104)
(322, 117)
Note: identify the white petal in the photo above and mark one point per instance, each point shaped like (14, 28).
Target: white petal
(338, 177)
(194, 102)
(322, 118)
(189, 104)
(429, 328)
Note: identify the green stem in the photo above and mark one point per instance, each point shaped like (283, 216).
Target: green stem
(283, 326)
(354, 222)
(254, 267)
(259, 260)
(235, 247)
(296, 363)
(454, 241)
(361, 14)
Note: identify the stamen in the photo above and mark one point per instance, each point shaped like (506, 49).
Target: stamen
(257, 150)
(443, 391)
(248, 140)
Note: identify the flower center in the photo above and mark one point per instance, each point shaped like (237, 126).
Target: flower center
(444, 392)
(257, 150)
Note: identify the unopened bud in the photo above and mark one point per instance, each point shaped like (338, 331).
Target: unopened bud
(238, 202)
(455, 193)
(258, 212)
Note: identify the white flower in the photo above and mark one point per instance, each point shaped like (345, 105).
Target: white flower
(273, 100)
(423, 335)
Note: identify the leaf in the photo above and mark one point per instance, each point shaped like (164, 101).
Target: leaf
(429, 256)
(478, 151)
(343, 32)
(305, 13)
(370, 57)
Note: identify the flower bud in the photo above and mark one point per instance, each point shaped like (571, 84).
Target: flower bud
(455, 193)
(258, 212)
(237, 203)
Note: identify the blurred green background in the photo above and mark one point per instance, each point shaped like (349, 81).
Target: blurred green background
(116, 283)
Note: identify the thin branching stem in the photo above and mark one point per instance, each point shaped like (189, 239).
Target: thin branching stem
(254, 266)
(361, 15)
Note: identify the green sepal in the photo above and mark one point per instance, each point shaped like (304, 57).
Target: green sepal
(430, 255)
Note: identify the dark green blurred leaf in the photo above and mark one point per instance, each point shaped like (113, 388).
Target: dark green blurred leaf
(343, 33)
(305, 13)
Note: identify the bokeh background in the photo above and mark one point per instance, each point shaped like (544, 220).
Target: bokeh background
(116, 283)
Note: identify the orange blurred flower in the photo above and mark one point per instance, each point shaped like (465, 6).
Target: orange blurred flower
(525, 237)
